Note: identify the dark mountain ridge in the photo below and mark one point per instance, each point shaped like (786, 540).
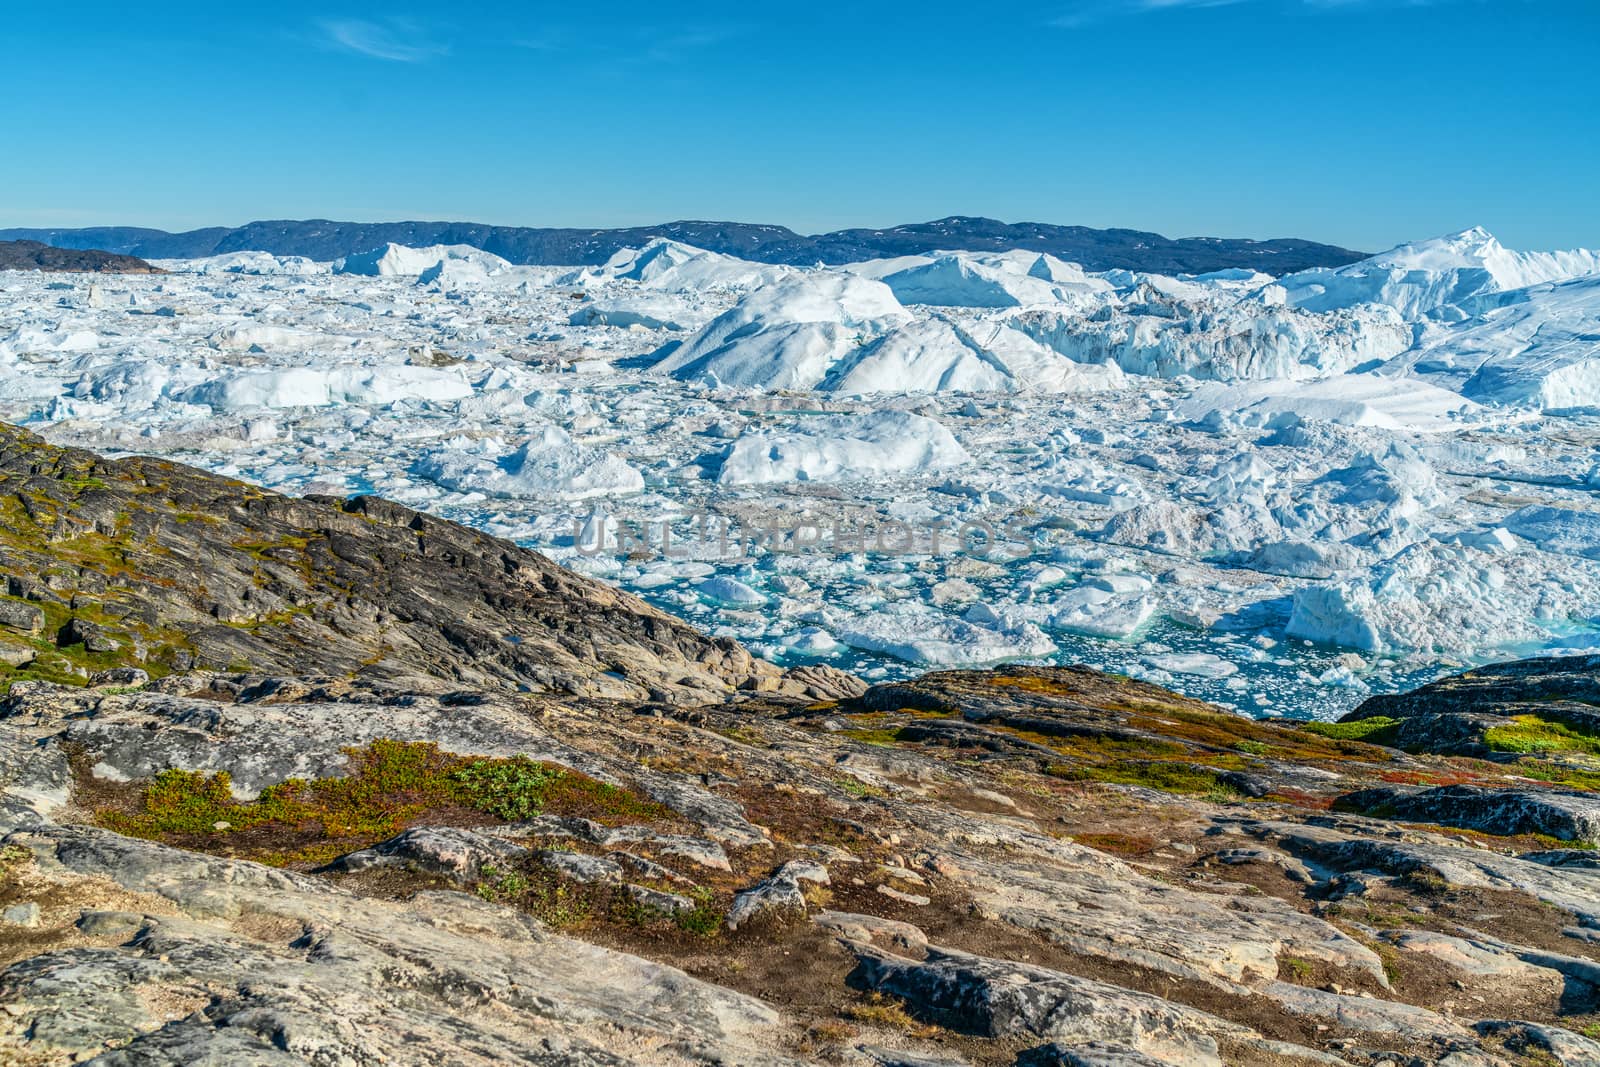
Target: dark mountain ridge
(322, 239)
(33, 255)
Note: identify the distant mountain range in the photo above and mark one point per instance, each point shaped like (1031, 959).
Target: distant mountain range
(31, 255)
(320, 239)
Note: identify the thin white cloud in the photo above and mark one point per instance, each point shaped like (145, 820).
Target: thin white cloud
(395, 40)
(1087, 12)
(639, 45)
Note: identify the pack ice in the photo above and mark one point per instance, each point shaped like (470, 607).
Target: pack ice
(1232, 483)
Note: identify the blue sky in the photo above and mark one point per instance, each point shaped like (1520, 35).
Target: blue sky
(1362, 122)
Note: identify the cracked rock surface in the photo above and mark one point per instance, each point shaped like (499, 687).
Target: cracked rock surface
(412, 850)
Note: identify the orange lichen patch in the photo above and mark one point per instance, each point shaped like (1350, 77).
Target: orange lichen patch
(1442, 777)
(1121, 844)
(1301, 799)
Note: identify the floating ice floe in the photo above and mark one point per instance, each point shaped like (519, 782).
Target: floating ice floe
(649, 312)
(263, 337)
(836, 448)
(1344, 400)
(1564, 530)
(1092, 610)
(253, 263)
(548, 465)
(1447, 600)
(918, 635)
(343, 385)
(1202, 664)
(730, 591)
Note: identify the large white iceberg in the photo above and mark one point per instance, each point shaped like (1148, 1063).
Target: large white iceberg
(918, 635)
(1444, 600)
(937, 355)
(983, 280)
(1539, 349)
(1453, 276)
(787, 335)
(394, 260)
(254, 263)
(548, 465)
(1218, 335)
(1343, 400)
(838, 448)
(667, 264)
(294, 387)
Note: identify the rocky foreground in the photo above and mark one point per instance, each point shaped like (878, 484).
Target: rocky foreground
(328, 781)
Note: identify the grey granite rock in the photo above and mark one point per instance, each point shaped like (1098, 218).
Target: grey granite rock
(1001, 998)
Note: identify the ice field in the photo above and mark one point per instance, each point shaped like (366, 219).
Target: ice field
(1280, 494)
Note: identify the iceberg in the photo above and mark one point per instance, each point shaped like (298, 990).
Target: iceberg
(294, 387)
(666, 264)
(1454, 276)
(977, 280)
(1342, 400)
(838, 448)
(547, 465)
(787, 335)
(919, 635)
(394, 260)
(1540, 350)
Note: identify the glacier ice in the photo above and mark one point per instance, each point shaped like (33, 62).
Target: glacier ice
(837, 448)
(394, 260)
(549, 464)
(1166, 476)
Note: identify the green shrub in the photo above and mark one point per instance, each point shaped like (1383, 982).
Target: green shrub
(1531, 734)
(1376, 729)
(513, 790)
(390, 785)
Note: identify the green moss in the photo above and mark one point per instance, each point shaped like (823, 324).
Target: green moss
(500, 885)
(1531, 734)
(266, 549)
(1376, 730)
(857, 788)
(554, 901)
(1566, 775)
(1168, 777)
(705, 920)
(391, 785)
(82, 482)
(1299, 969)
(888, 738)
